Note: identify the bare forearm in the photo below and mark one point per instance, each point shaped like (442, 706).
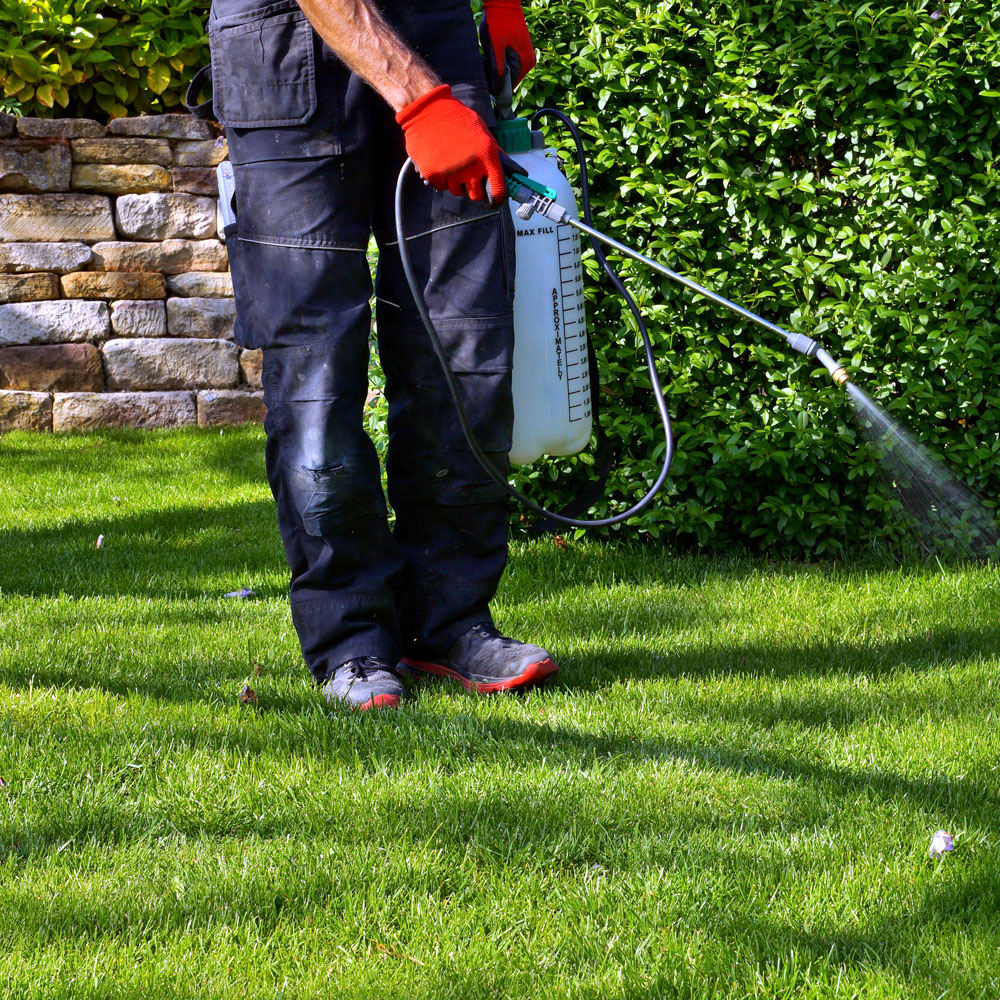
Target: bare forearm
(358, 34)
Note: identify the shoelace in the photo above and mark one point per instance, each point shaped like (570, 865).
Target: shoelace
(487, 631)
(365, 664)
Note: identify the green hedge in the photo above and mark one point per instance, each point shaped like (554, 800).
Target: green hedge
(87, 58)
(830, 165)
(833, 166)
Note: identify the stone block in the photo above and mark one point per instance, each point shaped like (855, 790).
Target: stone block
(8, 125)
(211, 318)
(139, 319)
(28, 287)
(52, 368)
(250, 367)
(165, 217)
(162, 127)
(110, 285)
(20, 258)
(114, 178)
(170, 256)
(157, 363)
(207, 153)
(25, 411)
(122, 150)
(63, 321)
(45, 218)
(217, 407)
(84, 411)
(59, 128)
(34, 165)
(196, 180)
(201, 284)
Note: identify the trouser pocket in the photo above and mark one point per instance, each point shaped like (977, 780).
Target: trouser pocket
(263, 64)
(237, 271)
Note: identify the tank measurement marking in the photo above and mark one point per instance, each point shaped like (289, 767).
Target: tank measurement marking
(556, 320)
(570, 345)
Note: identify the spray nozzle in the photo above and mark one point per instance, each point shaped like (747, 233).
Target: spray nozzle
(811, 349)
(837, 371)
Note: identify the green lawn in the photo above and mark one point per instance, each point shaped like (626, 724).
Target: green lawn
(729, 792)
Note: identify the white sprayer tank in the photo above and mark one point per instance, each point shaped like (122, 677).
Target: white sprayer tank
(552, 391)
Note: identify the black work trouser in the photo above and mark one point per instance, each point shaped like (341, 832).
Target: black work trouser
(316, 154)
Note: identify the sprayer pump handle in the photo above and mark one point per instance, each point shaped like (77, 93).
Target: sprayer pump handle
(504, 96)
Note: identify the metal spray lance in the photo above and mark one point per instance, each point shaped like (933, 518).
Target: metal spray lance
(535, 198)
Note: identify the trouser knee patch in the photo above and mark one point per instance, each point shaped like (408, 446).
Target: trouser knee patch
(327, 498)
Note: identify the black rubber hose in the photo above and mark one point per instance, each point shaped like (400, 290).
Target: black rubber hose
(452, 382)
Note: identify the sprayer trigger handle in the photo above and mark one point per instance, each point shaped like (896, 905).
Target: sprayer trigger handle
(516, 177)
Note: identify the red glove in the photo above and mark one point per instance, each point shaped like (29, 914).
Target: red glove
(509, 38)
(451, 145)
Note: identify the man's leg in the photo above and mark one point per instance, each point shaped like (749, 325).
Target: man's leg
(324, 473)
(451, 518)
(303, 291)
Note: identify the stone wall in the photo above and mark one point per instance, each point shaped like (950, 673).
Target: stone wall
(116, 305)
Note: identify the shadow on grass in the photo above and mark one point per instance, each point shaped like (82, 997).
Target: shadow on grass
(511, 834)
(223, 538)
(147, 554)
(583, 672)
(376, 745)
(928, 649)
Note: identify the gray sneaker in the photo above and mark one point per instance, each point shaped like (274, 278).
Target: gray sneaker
(487, 662)
(364, 683)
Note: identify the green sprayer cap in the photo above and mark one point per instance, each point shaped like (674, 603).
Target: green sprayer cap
(513, 135)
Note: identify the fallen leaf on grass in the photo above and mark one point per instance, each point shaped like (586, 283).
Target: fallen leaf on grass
(248, 696)
(560, 542)
(396, 954)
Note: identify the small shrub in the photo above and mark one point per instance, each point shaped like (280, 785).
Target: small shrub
(87, 58)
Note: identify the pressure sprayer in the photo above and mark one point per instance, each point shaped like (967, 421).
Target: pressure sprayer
(553, 383)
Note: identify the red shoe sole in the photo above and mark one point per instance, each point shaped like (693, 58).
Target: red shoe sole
(534, 673)
(379, 701)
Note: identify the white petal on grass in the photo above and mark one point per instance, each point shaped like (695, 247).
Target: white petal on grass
(941, 843)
